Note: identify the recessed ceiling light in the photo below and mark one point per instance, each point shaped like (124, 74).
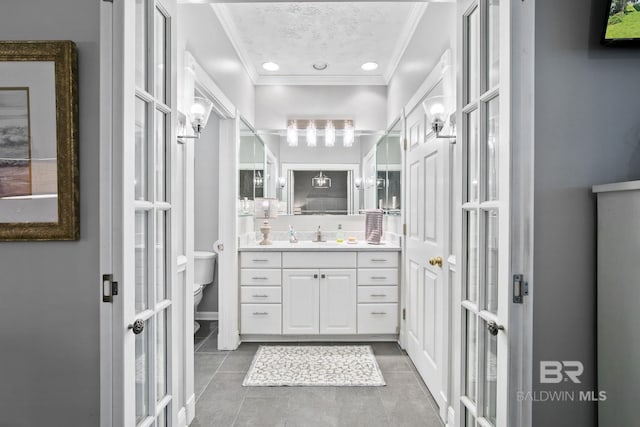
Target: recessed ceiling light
(369, 66)
(320, 66)
(270, 66)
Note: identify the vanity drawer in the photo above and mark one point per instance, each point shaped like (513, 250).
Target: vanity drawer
(261, 318)
(377, 259)
(319, 260)
(377, 294)
(377, 318)
(260, 277)
(261, 294)
(260, 259)
(377, 276)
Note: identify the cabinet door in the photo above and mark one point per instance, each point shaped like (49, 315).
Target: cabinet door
(338, 298)
(300, 301)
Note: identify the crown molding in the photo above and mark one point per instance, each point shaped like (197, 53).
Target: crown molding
(307, 80)
(230, 29)
(405, 38)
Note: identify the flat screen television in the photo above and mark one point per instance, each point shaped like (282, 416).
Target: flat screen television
(622, 23)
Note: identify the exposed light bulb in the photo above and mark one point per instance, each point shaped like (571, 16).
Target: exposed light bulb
(349, 135)
(311, 134)
(329, 134)
(292, 134)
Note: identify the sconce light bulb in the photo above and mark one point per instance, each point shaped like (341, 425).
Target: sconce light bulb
(437, 109)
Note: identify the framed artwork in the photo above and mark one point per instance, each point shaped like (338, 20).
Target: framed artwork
(39, 197)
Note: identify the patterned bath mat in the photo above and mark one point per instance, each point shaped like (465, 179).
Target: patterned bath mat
(321, 365)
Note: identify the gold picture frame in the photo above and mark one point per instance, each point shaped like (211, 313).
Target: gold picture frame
(39, 190)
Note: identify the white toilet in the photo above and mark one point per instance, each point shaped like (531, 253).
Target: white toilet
(205, 264)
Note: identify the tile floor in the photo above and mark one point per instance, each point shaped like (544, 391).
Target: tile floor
(221, 400)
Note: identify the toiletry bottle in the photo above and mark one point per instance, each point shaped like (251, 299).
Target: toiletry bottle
(339, 234)
(292, 235)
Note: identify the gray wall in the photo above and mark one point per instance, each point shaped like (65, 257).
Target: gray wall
(200, 32)
(366, 105)
(49, 291)
(587, 132)
(435, 33)
(206, 189)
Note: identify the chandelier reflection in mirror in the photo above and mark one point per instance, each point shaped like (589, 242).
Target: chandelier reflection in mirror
(321, 181)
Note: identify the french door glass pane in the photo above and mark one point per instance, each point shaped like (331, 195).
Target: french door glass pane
(472, 156)
(491, 259)
(493, 43)
(469, 420)
(161, 255)
(473, 31)
(161, 355)
(160, 55)
(490, 372)
(141, 44)
(492, 148)
(472, 256)
(471, 357)
(142, 366)
(141, 150)
(160, 148)
(141, 260)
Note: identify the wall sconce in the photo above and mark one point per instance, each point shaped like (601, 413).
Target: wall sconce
(311, 134)
(292, 134)
(358, 183)
(198, 116)
(349, 134)
(437, 117)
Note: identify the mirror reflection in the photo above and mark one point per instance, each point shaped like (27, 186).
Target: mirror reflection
(388, 171)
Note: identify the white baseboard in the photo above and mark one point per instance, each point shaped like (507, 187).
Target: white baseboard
(191, 408)
(206, 315)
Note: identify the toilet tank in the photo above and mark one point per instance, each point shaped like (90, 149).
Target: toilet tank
(205, 263)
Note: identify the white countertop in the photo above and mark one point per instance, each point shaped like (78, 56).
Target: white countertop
(308, 246)
(617, 186)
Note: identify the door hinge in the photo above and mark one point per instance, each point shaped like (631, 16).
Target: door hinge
(109, 288)
(404, 229)
(108, 1)
(404, 314)
(405, 144)
(520, 288)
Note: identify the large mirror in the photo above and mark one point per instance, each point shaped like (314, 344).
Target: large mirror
(256, 169)
(388, 171)
(320, 179)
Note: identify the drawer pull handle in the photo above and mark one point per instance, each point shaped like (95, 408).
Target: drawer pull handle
(378, 295)
(379, 312)
(260, 260)
(378, 260)
(260, 313)
(378, 277)
(260, 296)
(259, 278)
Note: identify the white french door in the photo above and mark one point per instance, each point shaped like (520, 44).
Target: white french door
(144, 253)
(485, 209)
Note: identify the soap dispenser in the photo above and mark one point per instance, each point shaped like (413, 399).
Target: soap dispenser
(339, 234)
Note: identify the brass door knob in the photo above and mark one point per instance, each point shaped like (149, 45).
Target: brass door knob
(436, 261)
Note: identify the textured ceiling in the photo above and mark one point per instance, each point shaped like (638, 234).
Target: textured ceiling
(342, 34)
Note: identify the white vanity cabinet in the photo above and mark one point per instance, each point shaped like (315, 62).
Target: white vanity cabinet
(378, 293)
(261, 292)
(319, 293)
(319, 300)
